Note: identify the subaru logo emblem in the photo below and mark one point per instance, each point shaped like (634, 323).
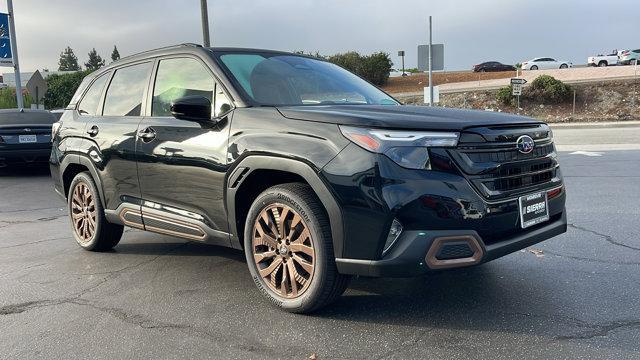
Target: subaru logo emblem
(525, 144)
(27, 130)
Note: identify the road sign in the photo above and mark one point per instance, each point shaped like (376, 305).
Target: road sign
(6, 58)
(517, 89)
(401, 53)
(438, 57)
(517, 85)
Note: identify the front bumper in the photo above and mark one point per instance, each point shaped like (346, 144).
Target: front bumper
(412, 255)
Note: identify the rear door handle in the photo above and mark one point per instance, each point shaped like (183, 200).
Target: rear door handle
(93, 131)
(147, 134)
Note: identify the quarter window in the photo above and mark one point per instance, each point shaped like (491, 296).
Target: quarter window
(177, 78)
(126, 91)
(90, 101)
(222, 103)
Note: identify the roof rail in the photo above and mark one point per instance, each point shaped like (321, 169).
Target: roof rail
(161, 48)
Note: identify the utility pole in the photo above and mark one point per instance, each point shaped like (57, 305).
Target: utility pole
(205, 23)
(14, 52)
(430, 64)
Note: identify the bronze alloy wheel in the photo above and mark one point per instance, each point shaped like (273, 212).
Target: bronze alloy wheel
(283, 250)
(83, 212)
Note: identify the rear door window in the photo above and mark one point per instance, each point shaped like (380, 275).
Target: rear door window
(91, 100)
(126, 91)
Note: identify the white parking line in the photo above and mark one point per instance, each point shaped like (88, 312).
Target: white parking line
(597, 147)
(587, 153)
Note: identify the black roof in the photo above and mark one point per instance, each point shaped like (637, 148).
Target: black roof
(189, 47)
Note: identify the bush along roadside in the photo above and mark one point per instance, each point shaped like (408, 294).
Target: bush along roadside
(548, 90)
(375, 68)
(544, 89)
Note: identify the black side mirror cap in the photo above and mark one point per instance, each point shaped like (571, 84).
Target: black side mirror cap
(192, 108)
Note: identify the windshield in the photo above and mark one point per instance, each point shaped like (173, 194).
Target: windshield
(276, 79)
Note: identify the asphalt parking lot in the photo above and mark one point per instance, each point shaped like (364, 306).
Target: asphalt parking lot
(155, 296)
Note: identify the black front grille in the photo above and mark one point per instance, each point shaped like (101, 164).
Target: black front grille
(498, 170)
(454, 251)
(503, 155)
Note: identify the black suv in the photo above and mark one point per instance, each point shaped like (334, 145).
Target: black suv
(315, 173)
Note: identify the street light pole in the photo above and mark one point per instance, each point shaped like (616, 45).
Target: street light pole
(205, 23)
(430, 64)
(14, 53)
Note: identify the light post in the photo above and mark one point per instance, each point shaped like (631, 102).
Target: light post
(14, 53)
(205, 23)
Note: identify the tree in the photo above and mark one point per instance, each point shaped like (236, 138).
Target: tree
(61, 87)
(95, 61)
(68, 61)
(115, 55)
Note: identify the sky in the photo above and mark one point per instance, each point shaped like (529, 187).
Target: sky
(472, 31)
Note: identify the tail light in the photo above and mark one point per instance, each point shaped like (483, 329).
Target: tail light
(54, 129)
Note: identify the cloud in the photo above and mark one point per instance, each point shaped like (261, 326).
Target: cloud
(472, 31)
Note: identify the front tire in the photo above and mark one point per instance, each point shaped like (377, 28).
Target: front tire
(534, 67)
(91, 229)
(564, 66)
(289, 249)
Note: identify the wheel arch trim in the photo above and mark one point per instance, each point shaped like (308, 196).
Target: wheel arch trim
(83, 160)
(298, 167)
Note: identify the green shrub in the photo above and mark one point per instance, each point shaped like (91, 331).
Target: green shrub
(61, 88)
(8, 98)
(504, 95)
(547, 89)
(375, 67)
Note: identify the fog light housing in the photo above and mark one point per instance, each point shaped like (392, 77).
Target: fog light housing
(394, 234)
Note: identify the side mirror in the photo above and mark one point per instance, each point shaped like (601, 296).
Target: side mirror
(193, 108)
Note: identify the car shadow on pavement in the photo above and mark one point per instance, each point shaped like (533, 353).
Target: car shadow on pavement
(476, 297)
(480, 297)
(25, 170)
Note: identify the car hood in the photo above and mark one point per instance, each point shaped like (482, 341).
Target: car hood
(402, 117)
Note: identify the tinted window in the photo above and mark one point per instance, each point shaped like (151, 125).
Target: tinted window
(126, 91)
(177, 78)
(90, 101)
(281, 79)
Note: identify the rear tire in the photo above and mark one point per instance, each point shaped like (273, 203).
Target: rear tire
(91, 230)
(289, 249)
(602, 64)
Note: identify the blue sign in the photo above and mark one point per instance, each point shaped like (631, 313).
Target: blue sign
(6, 57)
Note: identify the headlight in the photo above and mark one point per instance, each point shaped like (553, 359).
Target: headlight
(408, 149)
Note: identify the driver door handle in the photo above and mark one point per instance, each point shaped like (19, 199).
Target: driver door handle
(147, 134)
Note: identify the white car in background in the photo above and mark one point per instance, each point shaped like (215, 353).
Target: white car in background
(545, 63)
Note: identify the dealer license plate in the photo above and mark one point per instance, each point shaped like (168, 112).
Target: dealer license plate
(534, 209)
